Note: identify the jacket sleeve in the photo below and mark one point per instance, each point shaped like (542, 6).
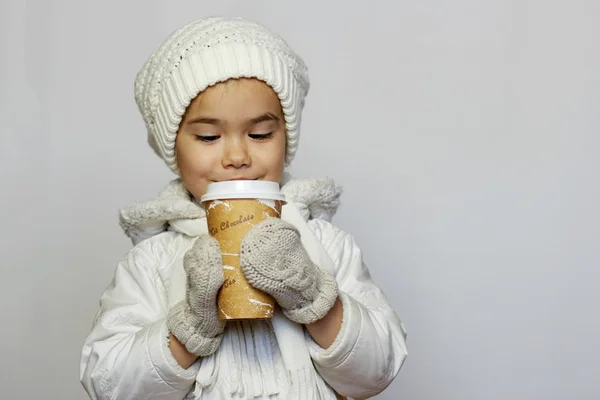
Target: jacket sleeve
(126, 355)
(370, 348)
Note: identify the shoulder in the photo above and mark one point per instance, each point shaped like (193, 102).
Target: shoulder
(324, 230)
(158, 253)
(336, 241)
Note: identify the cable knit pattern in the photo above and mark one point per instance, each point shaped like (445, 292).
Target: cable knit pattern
(195, 321)
(205, 52)
(274, 260)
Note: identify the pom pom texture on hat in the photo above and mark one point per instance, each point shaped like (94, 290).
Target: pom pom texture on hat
(205, 52)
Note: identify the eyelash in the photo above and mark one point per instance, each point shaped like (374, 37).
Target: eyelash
(255, 136)
(261, 136)
(206, 139)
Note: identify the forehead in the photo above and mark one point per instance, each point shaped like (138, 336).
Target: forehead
(235, 97)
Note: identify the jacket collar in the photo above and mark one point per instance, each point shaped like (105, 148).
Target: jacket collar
(174, 206)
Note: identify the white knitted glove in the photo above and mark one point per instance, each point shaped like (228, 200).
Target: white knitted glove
(274, 260)
(195, 321)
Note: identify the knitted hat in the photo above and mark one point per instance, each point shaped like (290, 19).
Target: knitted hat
(205, 52)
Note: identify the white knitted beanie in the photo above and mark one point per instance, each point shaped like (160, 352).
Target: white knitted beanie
(205, 52)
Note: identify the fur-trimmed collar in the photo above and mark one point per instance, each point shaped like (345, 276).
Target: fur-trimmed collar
(315, 198)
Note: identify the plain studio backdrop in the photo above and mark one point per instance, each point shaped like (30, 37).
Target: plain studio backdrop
(465, 134)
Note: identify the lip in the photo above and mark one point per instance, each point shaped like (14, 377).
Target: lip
(241, 179)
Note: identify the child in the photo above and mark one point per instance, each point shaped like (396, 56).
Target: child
(222, 99)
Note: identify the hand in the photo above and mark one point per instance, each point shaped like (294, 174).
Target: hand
(195, 321)
(274, 260)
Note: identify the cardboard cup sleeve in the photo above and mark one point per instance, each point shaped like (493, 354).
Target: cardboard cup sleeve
(228, 221)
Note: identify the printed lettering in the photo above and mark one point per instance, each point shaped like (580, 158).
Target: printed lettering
(228, 282)
(229, 224)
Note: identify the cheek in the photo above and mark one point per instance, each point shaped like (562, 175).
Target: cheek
(283, 148)
(280, 145)
(195, 170)
(191, 159)
(276, 160)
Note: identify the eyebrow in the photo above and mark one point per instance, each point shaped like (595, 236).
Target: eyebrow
(265, 117)
(215, 121)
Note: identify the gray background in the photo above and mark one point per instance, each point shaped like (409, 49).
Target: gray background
(474, 124)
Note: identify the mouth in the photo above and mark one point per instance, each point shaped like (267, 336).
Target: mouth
(241, 179)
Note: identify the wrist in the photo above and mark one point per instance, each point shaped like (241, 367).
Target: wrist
(325, 331)
(183, 357)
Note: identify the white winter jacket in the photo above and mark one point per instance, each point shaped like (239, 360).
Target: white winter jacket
(126, 355)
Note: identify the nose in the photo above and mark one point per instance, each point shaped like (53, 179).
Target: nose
(235, 154)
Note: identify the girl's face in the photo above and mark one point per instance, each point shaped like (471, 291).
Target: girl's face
(232, 130)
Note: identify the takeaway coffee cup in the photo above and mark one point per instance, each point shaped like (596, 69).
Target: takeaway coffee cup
(232, 209)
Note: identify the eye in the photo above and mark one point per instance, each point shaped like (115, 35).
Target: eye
(207, 138)
(261, 136)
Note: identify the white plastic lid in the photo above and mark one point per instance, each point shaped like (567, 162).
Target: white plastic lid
(243, 190)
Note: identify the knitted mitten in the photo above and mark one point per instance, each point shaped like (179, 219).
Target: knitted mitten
(195, 321)
(274, 260)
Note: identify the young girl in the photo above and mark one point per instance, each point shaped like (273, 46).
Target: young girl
(222, 99)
